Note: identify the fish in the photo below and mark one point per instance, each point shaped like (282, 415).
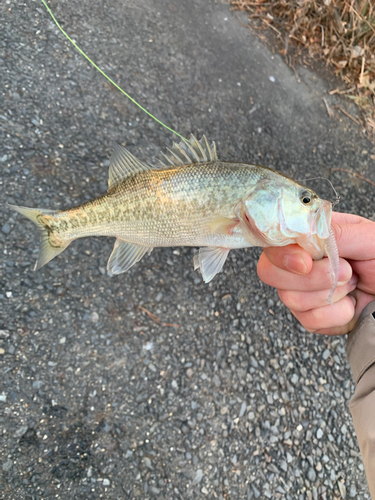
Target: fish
(191, 198)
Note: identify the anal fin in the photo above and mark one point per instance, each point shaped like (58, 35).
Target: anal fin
(124, 255)
(210, 261)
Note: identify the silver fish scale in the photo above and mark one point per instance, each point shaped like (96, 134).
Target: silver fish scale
(167, 207)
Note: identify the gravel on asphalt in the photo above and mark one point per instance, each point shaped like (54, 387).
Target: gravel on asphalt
(97, 400)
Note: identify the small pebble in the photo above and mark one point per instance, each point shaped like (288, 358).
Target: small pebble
(326, 354)
(256, 492)
(20, 432)
(311, 475)
(94, 317)
(294, 379)
(7, 465)
(37, 384)
(342, 489)
(353, 491)
(198, 477)
(284, 466)
(242, 410)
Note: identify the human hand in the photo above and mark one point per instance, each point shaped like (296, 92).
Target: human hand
(303, 285)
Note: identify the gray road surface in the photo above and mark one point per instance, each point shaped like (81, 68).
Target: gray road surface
(97, 399)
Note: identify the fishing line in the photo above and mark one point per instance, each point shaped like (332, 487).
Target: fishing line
(106, 76)
(324, 179)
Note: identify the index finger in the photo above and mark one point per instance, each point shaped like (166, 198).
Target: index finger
(355, 237)
(319, 279)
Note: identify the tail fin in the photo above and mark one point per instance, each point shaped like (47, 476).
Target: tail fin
(50, 244)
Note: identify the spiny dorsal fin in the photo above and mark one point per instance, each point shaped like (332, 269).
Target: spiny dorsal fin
(192, 151)
(123, 164)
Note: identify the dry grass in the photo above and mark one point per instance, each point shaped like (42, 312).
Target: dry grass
(340, 31)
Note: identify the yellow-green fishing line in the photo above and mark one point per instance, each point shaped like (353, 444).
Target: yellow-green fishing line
(106, 76)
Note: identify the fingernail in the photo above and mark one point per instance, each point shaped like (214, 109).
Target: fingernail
(353, 280)
(345, 271)
(295, 263)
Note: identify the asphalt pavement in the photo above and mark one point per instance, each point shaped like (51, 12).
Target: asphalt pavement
(152, 384)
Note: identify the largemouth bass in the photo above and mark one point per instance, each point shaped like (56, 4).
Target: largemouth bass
(192, 199)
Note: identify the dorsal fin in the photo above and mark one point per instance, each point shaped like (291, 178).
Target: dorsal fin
(192, 151)
(123, 164)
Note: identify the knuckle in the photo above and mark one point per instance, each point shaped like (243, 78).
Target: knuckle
(320, 278)
(312, 320)
(264, 269)
(291, 299)
(317, 316)
(311, 330)
(337, 229)
(301, 317)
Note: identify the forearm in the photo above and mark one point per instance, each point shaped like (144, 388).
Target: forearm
(361, 356)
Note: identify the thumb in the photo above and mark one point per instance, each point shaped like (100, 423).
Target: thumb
(290, 258)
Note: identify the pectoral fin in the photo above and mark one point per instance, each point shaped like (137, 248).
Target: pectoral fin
(223, 225)
(210, 260)
(124, 255)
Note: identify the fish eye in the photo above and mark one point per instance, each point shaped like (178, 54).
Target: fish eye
(306, 198)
